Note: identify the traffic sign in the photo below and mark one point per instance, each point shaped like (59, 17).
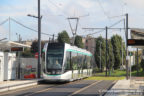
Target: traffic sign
(36, 55)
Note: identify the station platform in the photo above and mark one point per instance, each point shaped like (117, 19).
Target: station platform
(15, 84)
(127, 88)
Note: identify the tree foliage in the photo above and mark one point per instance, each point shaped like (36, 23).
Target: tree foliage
(116, 41)
(34, 46)
(100, 41)
(63, 37)
(142, 61)
(27, 53)
(110, 56)
(142, 64)
(78, 42)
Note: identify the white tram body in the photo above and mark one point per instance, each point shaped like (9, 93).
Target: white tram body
(63, 62)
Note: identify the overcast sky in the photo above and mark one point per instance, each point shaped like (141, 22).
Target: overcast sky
(95, 13)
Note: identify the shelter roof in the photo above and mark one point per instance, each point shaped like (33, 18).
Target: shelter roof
(9, 44)
(137, 34)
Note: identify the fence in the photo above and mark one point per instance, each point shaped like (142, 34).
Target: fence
(28, 68)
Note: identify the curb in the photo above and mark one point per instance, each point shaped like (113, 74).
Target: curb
(21, 85)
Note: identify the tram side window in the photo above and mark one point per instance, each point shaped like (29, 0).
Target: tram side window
(43, 61)
(67, 62)
(80, 60)
(74, 60)
(88, 61)
(85, 62)
(92, 62)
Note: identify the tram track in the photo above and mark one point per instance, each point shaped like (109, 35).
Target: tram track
(76, 88)
(82, 89)
(94, 89)
(52, 87)
(44, 86)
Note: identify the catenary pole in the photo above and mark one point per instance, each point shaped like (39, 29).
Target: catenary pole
(127, 47)
(106, 51)
(39, 42)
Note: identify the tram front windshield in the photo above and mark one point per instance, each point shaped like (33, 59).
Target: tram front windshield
(54, 58)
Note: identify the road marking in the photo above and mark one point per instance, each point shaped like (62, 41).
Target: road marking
(78, 91)
(39, 91)
(52, 88)
(105, 90)
(35, 86)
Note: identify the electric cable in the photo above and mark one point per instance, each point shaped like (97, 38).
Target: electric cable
(29, 27)
(4, 22)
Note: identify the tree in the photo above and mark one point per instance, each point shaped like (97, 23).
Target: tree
(100, 42)
(142, 64)
(138, 63)
(34, 46)
(27, 53)
(63, 37)
(142, 61)
(78, 42)
(110, 56)
(116, 41)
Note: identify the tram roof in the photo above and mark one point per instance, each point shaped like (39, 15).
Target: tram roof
(78, 49)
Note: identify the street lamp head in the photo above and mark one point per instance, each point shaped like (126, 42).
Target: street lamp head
(28, 15)
(33, 16)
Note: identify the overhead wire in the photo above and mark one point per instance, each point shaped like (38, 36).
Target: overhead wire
(116, 23)
(103, 9)
(64, 13)
(108, 27)
(29, 27)
(3, 22)
(96, 32)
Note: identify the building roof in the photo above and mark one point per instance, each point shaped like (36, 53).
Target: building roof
(137, 34)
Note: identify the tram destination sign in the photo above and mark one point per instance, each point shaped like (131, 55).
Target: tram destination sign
(17, 49)
(135, 42)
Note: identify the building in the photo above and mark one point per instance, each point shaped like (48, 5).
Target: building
(89, 44)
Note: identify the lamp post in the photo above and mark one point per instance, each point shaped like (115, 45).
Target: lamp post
(39, 39)
(19, 65)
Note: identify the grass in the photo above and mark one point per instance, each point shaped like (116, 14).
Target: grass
(119, 73)
(104, 78)
(115, 75)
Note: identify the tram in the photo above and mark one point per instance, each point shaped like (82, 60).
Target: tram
(63, 62)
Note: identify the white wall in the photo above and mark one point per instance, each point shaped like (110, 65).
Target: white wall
(9, 66)
(1, 66)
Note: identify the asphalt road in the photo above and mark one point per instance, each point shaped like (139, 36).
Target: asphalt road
(77, 88)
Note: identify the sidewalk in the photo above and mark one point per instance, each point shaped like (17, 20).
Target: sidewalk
(15, 84)
(126, 88)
